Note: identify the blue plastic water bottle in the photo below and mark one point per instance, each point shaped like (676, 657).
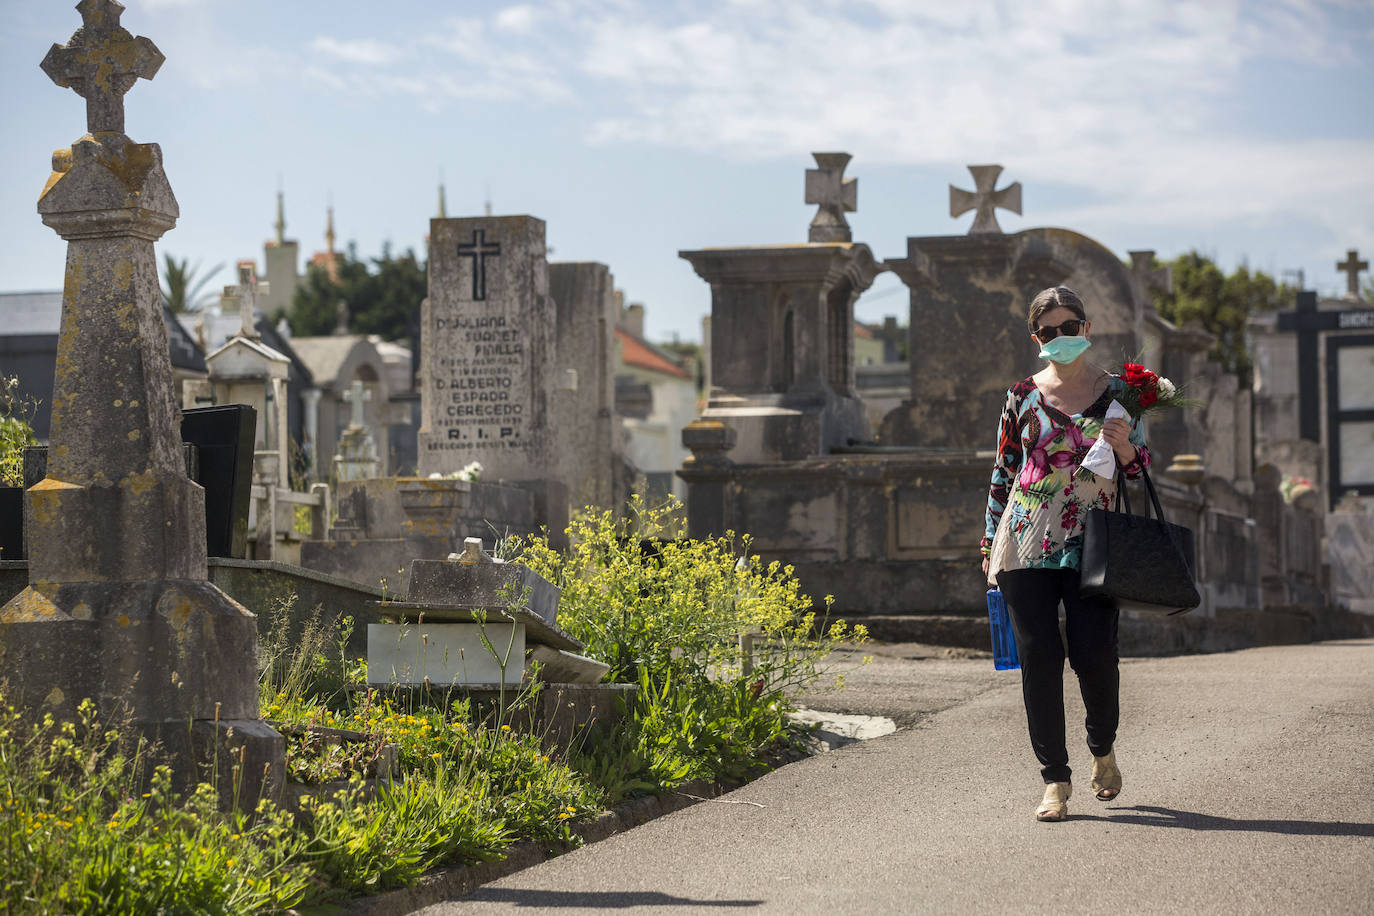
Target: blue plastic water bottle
(1004, 657)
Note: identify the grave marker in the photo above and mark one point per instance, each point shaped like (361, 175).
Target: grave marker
(119, 607)
(985, 200)
(487, 370)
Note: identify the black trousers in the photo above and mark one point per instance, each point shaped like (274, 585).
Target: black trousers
(1090, 625)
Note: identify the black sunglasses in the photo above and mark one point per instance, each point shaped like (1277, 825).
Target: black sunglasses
(1071, 328)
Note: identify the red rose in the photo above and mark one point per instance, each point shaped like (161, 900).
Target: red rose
(1148, 396)
(1134, 374)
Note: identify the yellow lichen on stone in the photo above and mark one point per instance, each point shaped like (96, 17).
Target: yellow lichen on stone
(122, 620)
(139, 484)
(82, 611)
(134, 435)
(55, 697)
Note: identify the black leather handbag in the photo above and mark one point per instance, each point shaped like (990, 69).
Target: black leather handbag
(1144, 564)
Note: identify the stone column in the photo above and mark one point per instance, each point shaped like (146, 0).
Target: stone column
(119, 607)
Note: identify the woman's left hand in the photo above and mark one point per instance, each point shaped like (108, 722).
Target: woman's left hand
(1117, 432)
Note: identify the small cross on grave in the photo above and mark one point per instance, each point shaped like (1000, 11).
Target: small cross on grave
(834, 194)
(479, 249)
(246, 294)
(985, 200)
(357, 396)
(1351, 266)
(101, 62)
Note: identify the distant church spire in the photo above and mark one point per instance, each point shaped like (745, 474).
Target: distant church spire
(443, 211)
(486, 207)
(329, 229)
(281, 217)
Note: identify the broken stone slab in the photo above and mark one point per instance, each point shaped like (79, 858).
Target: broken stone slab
(473, 580)
(539, 630)
(559, 666)
(446, 654)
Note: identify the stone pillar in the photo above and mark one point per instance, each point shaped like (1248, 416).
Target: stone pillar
(119, 608)
(310, 401)
(590, 436)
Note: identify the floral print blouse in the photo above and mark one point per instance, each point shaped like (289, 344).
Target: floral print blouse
(1039, 495)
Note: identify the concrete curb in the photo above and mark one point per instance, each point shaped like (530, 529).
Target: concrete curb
(446, 883)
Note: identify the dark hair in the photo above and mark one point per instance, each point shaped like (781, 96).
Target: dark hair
(1049, 299)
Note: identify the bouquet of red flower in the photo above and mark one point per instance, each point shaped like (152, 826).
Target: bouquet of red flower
(1147, 391)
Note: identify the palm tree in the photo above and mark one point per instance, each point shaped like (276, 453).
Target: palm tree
(183, 287)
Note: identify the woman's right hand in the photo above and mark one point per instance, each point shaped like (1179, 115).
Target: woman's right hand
(987, 564)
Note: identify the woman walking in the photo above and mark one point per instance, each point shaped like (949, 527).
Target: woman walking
(1037, 501)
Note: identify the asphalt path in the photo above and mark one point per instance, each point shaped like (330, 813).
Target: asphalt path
(1249, 788)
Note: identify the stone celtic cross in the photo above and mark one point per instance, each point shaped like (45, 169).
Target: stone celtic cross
(101, 62)
(1351, 267)
(357, 395)
(984, 199)
(833, 194)
(246, 294)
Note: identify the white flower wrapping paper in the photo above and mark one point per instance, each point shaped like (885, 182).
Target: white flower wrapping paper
(1100, 458)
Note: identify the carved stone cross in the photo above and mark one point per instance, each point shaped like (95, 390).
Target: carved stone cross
(246, 294)
(985, 200)
(357, 396)
(827, 187)
(101, 62)
(1352, 267)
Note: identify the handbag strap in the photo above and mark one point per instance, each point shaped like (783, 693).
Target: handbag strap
(1154, 497)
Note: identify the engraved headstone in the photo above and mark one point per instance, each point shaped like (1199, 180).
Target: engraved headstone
(487, 369)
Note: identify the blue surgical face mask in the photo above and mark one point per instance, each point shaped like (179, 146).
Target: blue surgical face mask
(1065, 349)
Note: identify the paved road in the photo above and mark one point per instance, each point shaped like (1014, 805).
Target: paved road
(1249, 789)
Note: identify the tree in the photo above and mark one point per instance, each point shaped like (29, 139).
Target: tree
(1221, 304)
(183, 287)
(380, 301)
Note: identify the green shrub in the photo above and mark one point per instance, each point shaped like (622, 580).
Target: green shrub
(16, 431)
(668, 614)
(79, 837)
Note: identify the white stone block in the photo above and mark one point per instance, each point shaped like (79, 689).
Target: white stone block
(443, 653)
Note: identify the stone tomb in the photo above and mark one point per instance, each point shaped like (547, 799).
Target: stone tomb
(467, 622)
(487, 366)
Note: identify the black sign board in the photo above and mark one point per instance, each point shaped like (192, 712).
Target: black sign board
(1309, 322)
(223, 436)
(1338, 415)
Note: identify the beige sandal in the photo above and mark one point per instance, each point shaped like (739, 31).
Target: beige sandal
(1055, 805)
(1106, 782)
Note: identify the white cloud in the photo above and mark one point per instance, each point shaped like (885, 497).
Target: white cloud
(518, 20)
(364, 51)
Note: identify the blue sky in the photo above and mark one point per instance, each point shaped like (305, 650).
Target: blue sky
(636, 129)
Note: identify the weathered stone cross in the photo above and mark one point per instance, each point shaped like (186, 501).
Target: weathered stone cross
(1352, 267)
(357, 396)
(246, 293)
(984, 199)
(101, 62)
(827, 187)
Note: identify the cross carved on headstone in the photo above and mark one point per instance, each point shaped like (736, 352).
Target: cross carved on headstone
(357, 396)
(101, 62)
(985, 200)
(246, 294)
(1352, 267)
(834, 194)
